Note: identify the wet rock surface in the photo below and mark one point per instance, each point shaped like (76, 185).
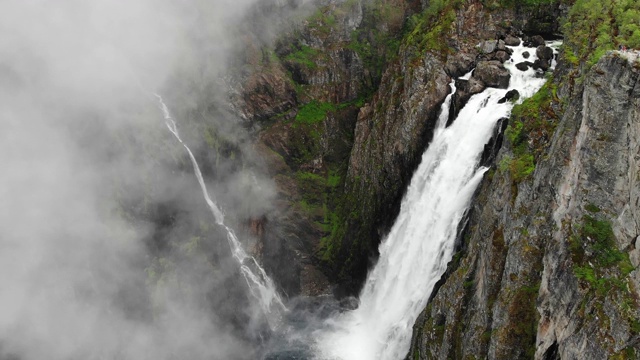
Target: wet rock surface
(511, 95)
(492, 74)
(528, 282)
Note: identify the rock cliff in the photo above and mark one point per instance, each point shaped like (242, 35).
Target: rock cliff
(394, 128)
(343, 107)
(549, 264)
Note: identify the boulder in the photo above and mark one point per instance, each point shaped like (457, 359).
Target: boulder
(524, 66)
(537, 40)
(544, 52)
(464, 90)
(526, 54)
(512, 40)
(488, 46)
(511, 95)
(502, 56)
(492, 74)
(541, 65)
(501, 45)
(460, 64)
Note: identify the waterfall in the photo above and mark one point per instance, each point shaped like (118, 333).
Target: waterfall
(415, 253)
(260, 284)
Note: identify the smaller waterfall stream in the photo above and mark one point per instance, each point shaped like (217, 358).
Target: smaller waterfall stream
(415, 253)
(260, 284)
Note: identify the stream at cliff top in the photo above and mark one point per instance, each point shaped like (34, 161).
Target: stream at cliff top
(413, 256)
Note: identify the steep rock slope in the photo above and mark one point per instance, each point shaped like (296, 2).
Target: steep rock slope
(343, 106)
(549, 267)
(301, 95)
(396, 125)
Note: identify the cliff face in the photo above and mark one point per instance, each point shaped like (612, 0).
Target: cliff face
(343, 108)
(301, 94)
(549, 262)
(394, 128)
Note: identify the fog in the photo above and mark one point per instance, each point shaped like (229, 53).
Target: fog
(106, 248)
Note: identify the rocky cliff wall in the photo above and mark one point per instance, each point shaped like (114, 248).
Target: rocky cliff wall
(343, 107)
(393, 129)
(549, 265)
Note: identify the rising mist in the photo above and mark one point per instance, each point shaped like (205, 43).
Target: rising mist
(106, 248)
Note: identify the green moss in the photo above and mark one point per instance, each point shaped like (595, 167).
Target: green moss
(333, 180)
(598, 262)
(429, 29)
(529, 132)
(314, 112)
(521, 167)
(592, 208)
(305, 55)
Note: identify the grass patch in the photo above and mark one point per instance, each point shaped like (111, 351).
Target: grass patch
(314, 112)
(598, 262)
(305, 55)
(529, 132)
(592, 208)
(429, 29)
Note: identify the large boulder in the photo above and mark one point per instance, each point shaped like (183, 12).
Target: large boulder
(502, 56)
(492, 74)
(459, 64)
(511, 40)
(464, 90)
(524, 66)
(511, 95)
(535, 41)
(545, 56)
(488, 46)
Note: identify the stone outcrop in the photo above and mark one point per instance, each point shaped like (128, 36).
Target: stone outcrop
(545, 56)
(390, 135)
(549, 263)
(492, 74)
(464, 90)
(512, 40)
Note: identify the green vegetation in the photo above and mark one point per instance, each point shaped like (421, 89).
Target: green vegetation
(322, 21)
(428, 30)
(377, 45)
(523, 321)
(598, 261)
(305, 56)
(595, 26)
(314, 112)
(531, 126)
(592, 208)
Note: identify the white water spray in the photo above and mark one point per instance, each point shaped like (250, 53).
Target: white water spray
(420, 244)
(260, 284)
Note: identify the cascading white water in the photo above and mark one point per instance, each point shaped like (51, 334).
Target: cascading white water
(415, 253)
(260, 284)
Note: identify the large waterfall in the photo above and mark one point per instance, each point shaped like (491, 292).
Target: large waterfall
(260, 285)
(415, 253)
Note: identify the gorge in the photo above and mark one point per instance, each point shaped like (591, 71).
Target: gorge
(386, 193)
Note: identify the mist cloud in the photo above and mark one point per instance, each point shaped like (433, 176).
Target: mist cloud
(81, 139)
